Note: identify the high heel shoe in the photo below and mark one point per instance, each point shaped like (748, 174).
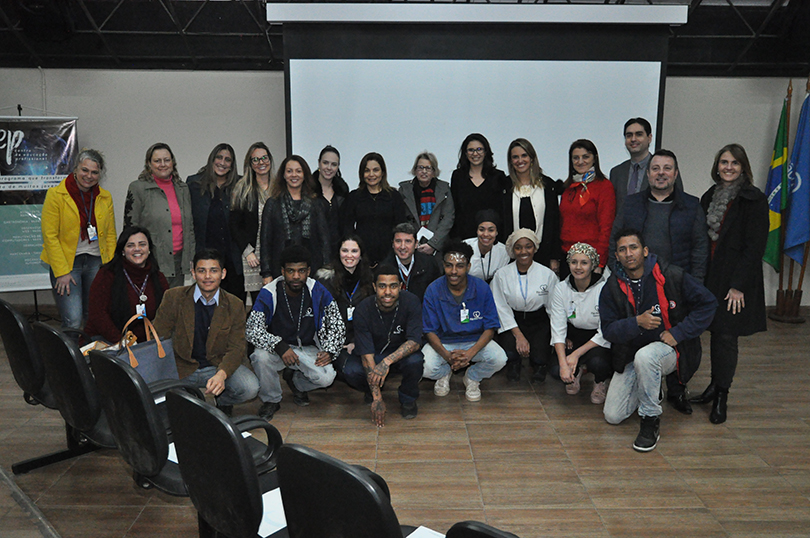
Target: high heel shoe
(708, 395)
(719, 407)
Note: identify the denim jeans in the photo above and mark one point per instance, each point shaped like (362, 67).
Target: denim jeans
(307, 376)
(241, 386)
(485, 363)
(410, 367)
(639, 386)
(73, 308)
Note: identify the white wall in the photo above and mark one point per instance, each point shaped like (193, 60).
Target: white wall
(124, 112)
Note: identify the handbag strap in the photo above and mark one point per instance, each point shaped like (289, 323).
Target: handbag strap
(150, 334)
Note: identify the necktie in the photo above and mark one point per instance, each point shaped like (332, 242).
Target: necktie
(632, 185)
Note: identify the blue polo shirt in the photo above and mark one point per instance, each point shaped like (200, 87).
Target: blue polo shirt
(441, 312)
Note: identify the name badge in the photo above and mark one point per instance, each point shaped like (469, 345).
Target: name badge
(140, 309)
(464, 315)
(349, 312)
(92, 233)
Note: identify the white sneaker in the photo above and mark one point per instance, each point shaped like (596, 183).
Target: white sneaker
(442, 386)
(473, 392)
(573, 388)
(599, 393)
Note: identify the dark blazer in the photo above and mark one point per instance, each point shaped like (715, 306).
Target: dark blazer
(334, 208)
(469, 199)
(425, 271)
(200, 205)
(244, 226)
(226, 345)
(274, 238)
(373, 217)
(620, 174)
(550, 244)
(737, 261)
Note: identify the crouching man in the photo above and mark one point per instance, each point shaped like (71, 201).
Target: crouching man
(387, 337)
(296, 327)
(653, 313)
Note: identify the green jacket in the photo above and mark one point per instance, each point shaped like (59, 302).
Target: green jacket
(148, 207)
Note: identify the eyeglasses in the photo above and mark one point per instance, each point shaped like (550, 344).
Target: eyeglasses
(262, 159)
(424, 168)
(472, 151)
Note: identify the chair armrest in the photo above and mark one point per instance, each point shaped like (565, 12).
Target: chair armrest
(267, 460)
(77, 335)
(160, 387)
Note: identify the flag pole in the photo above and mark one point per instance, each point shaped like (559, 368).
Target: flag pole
(782, 296)
(806, 245)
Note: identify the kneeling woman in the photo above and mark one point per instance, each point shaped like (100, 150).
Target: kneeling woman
(575, 330)
(522, 292)
(131, 283)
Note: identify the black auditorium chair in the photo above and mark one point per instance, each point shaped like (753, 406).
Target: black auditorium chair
(139, 425)
(73, 387)
(475, 529)
(28, 369)
(324, 496)
(224, 473)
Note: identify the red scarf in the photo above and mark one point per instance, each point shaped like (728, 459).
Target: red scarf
(85, 202)
(663, 302)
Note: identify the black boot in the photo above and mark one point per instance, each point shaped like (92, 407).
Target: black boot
(539, 373)
(513, 370)
(719, 407)
(708, 395)
(680, 403)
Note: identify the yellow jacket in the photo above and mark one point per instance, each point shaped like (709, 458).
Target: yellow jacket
(60, 228)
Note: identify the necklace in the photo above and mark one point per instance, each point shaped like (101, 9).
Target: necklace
(300, 313)
(391, 328)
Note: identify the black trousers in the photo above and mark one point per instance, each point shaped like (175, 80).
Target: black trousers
(724, 351)
(536, 327)
(596, 360)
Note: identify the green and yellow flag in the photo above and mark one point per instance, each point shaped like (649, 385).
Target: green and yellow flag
(777, 192)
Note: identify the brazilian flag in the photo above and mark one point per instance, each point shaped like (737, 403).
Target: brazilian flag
(777, 192)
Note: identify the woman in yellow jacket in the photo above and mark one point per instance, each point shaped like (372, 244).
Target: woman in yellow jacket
(78, 235)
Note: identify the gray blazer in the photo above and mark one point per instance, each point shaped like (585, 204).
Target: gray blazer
(148, 207)
(441, 221)
(621, 173)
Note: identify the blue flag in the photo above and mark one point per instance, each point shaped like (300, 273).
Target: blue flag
(797, 230)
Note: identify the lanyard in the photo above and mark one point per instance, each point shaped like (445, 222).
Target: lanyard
(351, 296)
(524, 292)
(300, 313)
(489, 265)
(88, 212)
(140, 292)
(391, 328)
(405, 272)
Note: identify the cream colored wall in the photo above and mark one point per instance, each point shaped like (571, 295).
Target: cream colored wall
(123, 112)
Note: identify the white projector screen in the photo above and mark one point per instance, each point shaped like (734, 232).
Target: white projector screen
(399, 108)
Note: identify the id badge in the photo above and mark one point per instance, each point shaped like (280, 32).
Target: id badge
(92, 233)
(349, 312)
(140, 309)
(464, 315)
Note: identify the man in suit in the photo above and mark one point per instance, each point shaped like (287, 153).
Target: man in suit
(207, 328)
(416, 269)
(630, 176)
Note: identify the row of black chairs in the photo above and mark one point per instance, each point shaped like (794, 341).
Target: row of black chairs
(106, 404)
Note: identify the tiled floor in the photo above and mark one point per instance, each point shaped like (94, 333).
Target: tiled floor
(528, 459)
